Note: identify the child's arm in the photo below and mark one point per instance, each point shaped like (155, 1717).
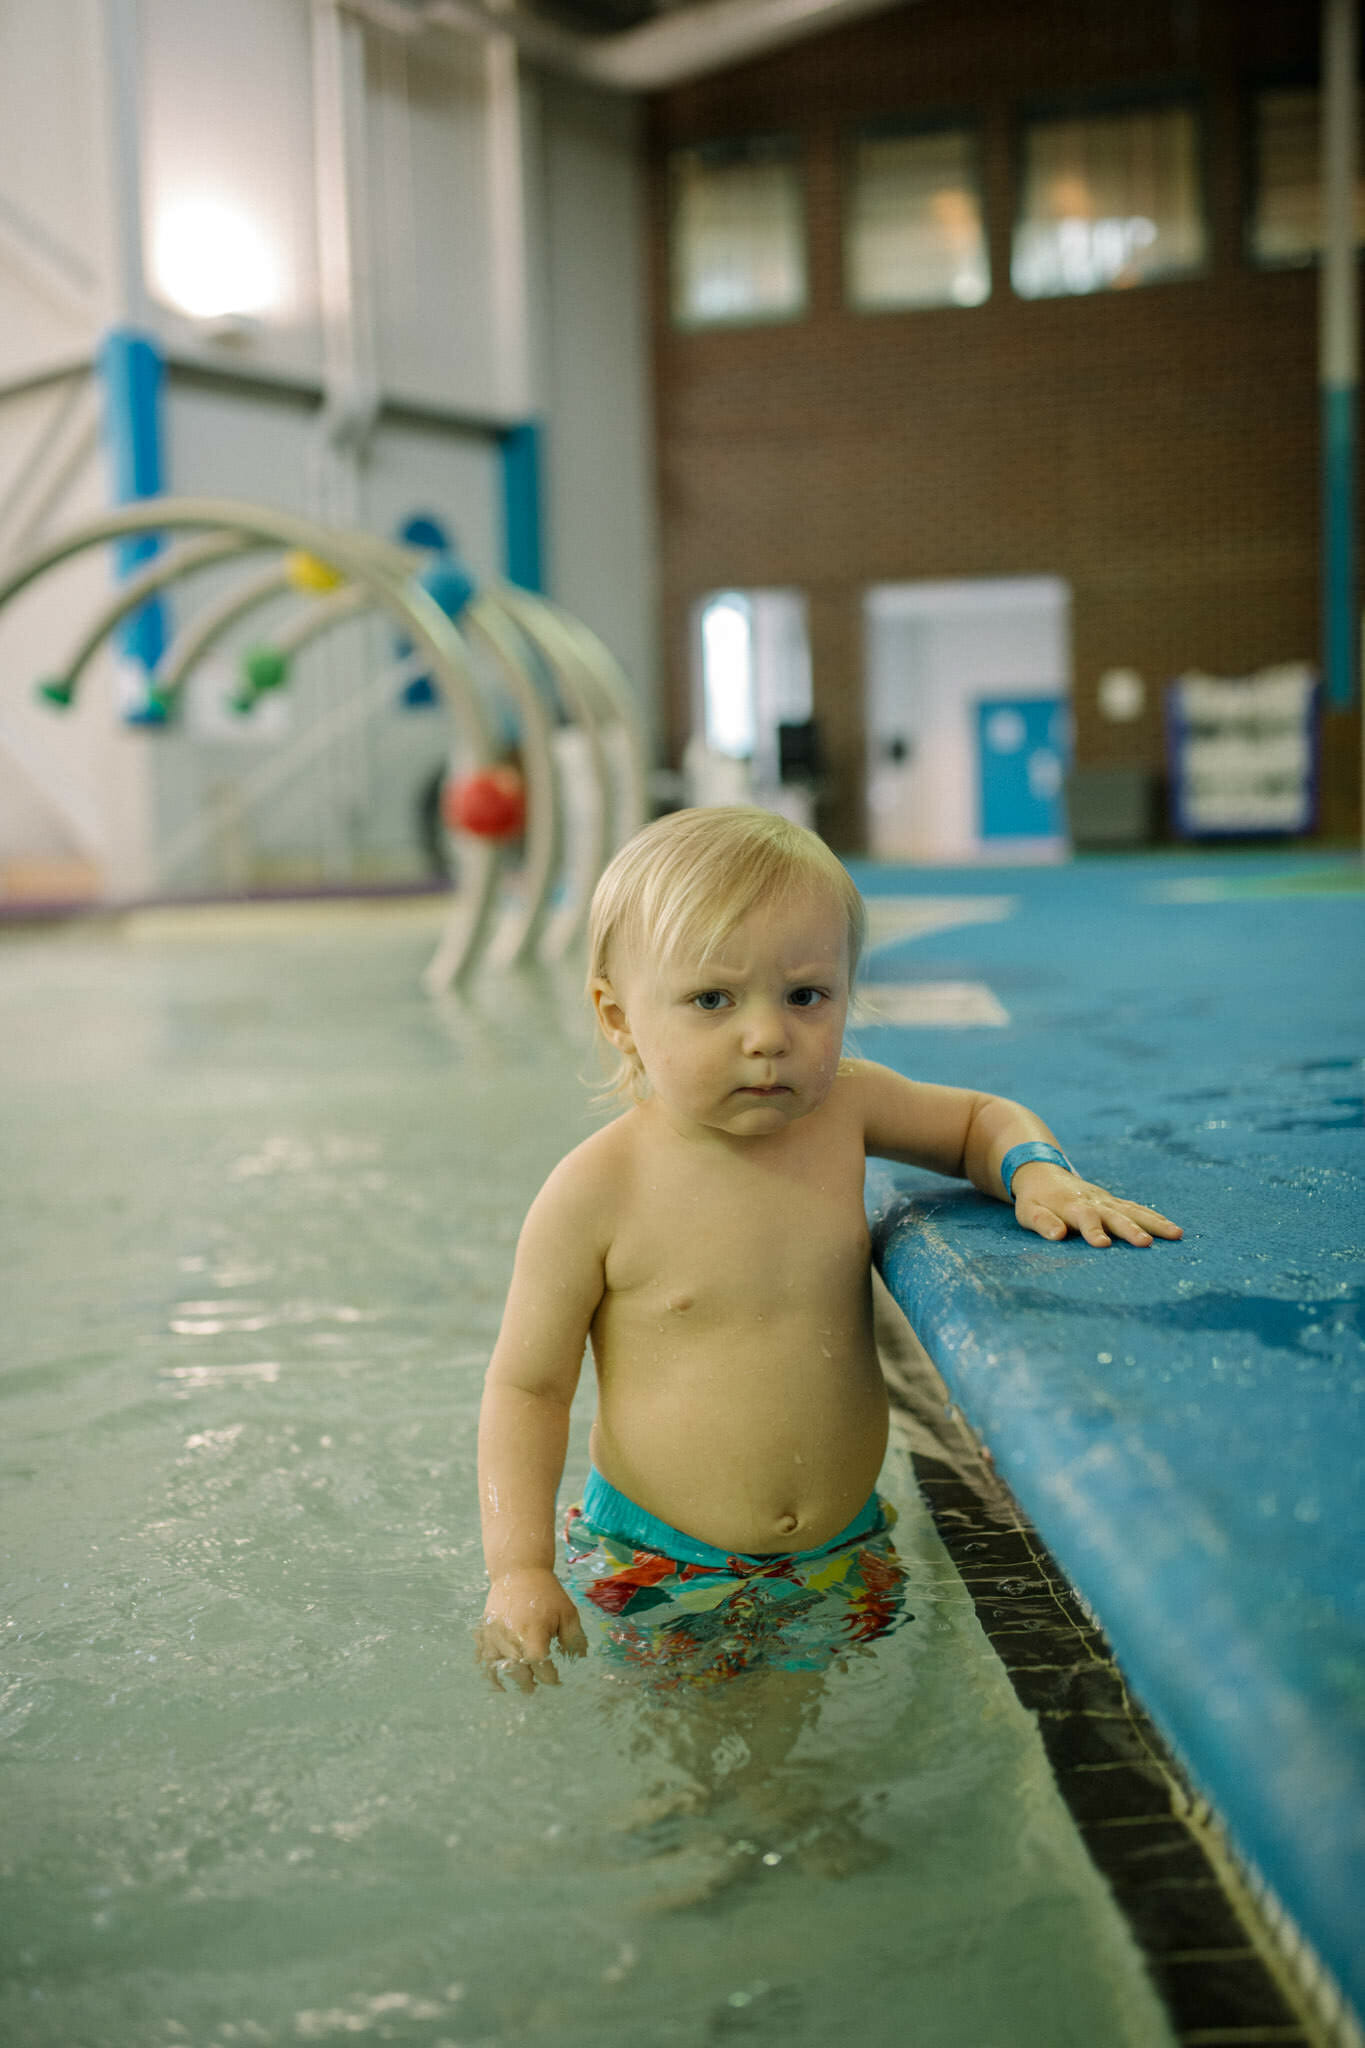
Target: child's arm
(959, 1131)
(524, 1428)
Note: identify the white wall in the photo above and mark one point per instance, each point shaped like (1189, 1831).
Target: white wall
(73, 787)
(431, 222)
(228, 100)
(496, 243)
(225, 122)
(592, 352)
(52, 223)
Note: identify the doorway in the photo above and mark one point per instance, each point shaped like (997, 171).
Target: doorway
(753, 736)
(967, 694)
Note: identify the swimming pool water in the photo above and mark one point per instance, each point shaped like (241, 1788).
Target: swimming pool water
(260, 1200)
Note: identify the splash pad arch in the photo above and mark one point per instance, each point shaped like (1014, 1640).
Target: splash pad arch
(546, 669)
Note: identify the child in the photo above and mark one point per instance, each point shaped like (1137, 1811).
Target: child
(712, 1245)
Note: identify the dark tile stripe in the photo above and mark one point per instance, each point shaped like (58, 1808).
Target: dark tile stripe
(1124, 1788)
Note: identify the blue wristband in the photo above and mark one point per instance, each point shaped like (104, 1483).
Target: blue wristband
(1020, 1155)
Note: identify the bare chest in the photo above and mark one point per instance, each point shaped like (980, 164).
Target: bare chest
(732, 1240)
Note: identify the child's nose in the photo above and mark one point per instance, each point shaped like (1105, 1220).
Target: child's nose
(765, 1030)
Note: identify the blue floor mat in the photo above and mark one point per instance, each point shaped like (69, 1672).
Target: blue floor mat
(1186, 1424)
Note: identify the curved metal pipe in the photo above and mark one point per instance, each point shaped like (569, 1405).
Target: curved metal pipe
(381, 576)
(588, 690)
(393, 591)
(520, 929)
(465, 932)
(279, 767)
(567, 644)
(204, 632)
(335, 609)
(608, 675)
(544, 811)
(208, 627)
(357, 561)
(135, 592)
(563, 927)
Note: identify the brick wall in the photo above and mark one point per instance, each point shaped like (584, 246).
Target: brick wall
(1157, 447)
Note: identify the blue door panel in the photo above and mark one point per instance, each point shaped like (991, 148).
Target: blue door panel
(1021, 755)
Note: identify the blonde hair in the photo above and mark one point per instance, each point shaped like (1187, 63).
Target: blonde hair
(688, 879)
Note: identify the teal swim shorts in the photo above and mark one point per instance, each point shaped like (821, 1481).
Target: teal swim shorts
(689, 1613)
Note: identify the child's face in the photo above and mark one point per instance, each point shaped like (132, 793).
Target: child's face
(748, 1040)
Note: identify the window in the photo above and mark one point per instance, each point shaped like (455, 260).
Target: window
(1109, 200)
(728, 674)
(738, 233)
(914, 235)
(1286, 225)
(755, 675)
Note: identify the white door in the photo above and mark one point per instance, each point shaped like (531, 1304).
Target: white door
(933, 653)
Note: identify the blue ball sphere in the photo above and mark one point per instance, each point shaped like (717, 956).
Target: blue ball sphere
(449, 586)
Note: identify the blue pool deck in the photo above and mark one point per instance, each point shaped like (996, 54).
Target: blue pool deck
(1185, 1425)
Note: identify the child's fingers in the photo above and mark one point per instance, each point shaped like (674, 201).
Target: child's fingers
(572, 1638)
(505, 1654)
(1087, 1218)
(1098, 1218)
(1153, 1220)
(1053, 1220)
(516, 1670)
(535, 1642)
(524, 1659)
(492, 1641)
(498, 1654)
(1036, 1218)
(1136, 1223)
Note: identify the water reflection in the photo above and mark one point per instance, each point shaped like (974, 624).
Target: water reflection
(256, 1789)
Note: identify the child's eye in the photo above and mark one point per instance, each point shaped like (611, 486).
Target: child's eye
(806, 998)
(711, 999)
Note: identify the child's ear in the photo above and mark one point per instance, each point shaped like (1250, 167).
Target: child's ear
(611, 1015)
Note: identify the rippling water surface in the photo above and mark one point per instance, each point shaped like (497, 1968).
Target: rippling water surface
(259, 1204)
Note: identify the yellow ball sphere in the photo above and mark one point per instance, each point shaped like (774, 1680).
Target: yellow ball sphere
(308, 572)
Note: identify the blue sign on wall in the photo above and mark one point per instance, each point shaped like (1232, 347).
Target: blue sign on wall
(1022, 746)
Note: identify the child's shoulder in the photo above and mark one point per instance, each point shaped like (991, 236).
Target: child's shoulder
(860, 1081)
(878, 1099)
(593, 1169)
(579, 1201)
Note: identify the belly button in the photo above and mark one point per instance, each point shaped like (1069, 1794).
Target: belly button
(786, 1523)
(678, 1302)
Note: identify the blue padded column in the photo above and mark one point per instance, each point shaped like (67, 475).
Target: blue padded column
(1339, 347)
(1339, 541)
(520, 447)
(132, 371)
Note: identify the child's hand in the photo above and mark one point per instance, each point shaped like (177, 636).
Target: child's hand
(526, 1611)
(1052, 1201)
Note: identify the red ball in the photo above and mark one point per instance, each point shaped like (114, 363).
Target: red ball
(490, 804)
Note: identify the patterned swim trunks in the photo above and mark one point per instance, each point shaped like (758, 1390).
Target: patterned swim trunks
(701, 1622)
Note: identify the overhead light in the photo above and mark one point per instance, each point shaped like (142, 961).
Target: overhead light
(211, 261)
